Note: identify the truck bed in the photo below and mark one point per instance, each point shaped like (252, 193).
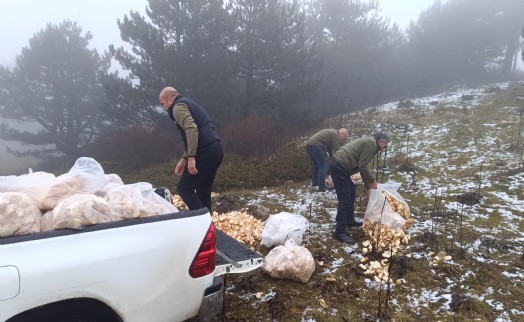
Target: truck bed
(232, 255)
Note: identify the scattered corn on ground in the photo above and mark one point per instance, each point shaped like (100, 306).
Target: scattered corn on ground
(237, 224)
(240, 225)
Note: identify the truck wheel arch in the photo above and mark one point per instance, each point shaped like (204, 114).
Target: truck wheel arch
(71, 310)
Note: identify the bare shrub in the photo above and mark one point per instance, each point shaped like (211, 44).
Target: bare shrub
(462, 303)
(227, 203)
(252, 135)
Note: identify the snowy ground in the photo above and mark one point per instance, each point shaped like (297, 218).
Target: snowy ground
(453, 154)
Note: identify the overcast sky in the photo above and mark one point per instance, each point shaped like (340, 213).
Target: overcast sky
(22, 19)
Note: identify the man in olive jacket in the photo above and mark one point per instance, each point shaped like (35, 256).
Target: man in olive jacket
(322, 142)
(352, 158)
(203, 149)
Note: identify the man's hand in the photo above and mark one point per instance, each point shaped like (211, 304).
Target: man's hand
(191, 165)
(179, 169)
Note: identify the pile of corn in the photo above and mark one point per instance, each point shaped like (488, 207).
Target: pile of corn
(382, 238)
(178, 202)
(377, 269)
(398, 206)
(385, 241)
(240, 225)
(181, 205)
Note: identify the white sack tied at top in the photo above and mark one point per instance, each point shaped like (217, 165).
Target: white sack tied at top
(289, 261)
(282, 226)
(75, 212)
(47, 190)
(19, 214)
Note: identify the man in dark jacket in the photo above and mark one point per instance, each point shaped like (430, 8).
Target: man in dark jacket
(321, 143)
(203, 148)
(352, 158)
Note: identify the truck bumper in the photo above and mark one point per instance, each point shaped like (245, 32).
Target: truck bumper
(212, 303)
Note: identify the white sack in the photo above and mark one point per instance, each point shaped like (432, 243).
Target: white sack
(378, 208)
(289, 261)
(19, 214)
(278, 228)
(76, 212)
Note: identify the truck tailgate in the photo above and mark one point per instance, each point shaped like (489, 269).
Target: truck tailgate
(234, 256)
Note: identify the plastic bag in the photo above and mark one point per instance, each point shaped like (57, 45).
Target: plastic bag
(19, 214)
(289, 261)
(86, 176)
(76, 212)
(137, 200)
(33, 184)
(111, 181)
(278, 228)
(379, 209)
(91, 170)
(30, 181)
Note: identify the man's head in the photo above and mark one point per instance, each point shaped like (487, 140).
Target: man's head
(382, 140)
(343, 134)
(167, 96)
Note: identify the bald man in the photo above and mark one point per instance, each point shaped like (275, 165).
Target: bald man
(203, 149)
(323, 142)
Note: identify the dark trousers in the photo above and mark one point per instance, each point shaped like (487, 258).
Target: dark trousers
(346, 191)
(195, 190)
(320, 165)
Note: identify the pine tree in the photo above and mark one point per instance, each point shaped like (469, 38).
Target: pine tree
(278, 66)
(186, 44)
(55, 87)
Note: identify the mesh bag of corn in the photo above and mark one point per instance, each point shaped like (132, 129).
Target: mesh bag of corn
(76, 212)
(136, 200)
(386, 206)
(86, 176)
(19, 214)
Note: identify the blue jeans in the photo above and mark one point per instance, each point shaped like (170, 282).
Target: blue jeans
(346, 191)
(320, 165)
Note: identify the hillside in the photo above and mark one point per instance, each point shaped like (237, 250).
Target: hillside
(458, 156)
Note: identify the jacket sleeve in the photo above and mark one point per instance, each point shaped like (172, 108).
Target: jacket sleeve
(184, 118)
(363, 164)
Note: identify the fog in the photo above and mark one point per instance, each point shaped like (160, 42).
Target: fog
(13, 165)
(21, 19)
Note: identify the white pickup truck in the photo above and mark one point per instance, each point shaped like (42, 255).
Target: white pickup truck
(161, 268)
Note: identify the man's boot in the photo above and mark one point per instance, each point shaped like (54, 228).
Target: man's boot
(341, 235)
(355, 224)
(345, 238)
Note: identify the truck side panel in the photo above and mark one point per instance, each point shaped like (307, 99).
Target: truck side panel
(139, 269)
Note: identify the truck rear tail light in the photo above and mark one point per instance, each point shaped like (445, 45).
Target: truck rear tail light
(206, 258)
